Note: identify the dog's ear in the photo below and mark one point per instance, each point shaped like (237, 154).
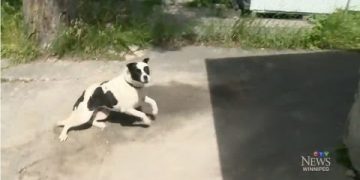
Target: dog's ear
(146, 60)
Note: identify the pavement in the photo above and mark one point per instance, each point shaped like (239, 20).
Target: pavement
(224, 113)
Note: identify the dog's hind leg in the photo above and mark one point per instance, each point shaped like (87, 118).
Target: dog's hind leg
(133, 112)
(100, 115)
(76, 119)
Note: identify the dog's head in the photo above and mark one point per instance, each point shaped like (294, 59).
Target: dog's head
(139, 72)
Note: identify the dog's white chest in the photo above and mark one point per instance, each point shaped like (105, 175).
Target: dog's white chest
(126, 95)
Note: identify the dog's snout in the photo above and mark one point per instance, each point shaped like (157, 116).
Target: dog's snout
(146, 79)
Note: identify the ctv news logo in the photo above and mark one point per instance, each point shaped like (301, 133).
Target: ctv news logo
(318, 161)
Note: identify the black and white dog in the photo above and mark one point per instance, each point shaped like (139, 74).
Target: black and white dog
(123, 94)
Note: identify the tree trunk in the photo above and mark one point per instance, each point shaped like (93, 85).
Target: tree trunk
(44, 18)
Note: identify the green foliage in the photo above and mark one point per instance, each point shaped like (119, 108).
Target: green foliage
(16, 44)
(340, 30)
(166, 29)
(208, 3)
(251, 33)
(214, 33)
(109, 27)
(114, 11)
(100, 33)
(97, 40)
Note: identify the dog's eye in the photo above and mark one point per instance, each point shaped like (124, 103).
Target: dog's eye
(146, 69)
(138, 71)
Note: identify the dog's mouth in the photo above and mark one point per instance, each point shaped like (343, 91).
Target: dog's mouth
(140, 84)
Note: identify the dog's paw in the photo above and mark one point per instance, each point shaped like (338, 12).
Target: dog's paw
(155, 112)
(100, 125)
(152, 117)
(146, 121)
(141, 124)
(63, 137)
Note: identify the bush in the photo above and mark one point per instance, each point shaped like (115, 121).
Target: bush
(340, 30)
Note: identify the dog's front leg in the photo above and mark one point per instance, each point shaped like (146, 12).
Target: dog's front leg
(152, 103)
(139, 114)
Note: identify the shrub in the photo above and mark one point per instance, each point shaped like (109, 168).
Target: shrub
(340, 30)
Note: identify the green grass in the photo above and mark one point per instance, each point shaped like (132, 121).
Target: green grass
(17, 45)
(207, 3)
(340, 30)
(251, 33)
(108, 34)
(142, 25)
(87, 40)
(108, 40)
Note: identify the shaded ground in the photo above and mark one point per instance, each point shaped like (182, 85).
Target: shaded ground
(270, 110)
(210, 113)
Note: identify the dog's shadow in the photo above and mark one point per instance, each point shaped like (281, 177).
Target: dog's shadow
(118, 117)
(125, 120)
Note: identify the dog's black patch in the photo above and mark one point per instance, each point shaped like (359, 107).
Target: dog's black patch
(103, 82)
(79, 100)
(147, 70)
(134, 72)
(99, 98)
